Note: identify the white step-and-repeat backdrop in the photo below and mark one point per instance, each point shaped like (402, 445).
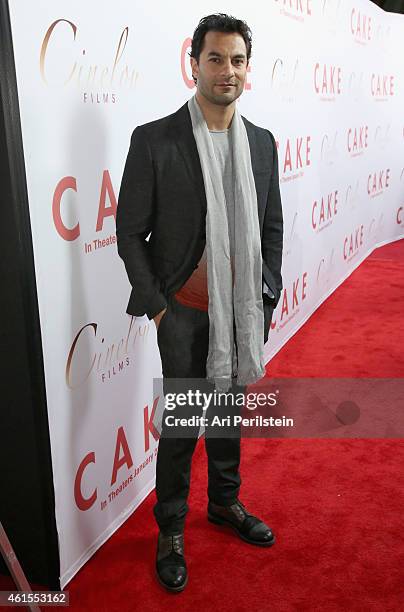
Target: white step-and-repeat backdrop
(325, 77)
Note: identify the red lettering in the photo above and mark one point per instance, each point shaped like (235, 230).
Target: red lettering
(353, 242)
(350, 245)
(324, 89)
(322, 211)
(149, 427)
(316, 69)
(356, 239)
(304, 285)
(332, 70)
(349, 134)
(308, 149)
(68, 182)
(82, 502)
(298, 156)
(352, 21)
(331, 76)
(382, 84)
(291, 164)
(103, 211)
(186, 45)
(247, 84)
(295, 301)
(288, 157)
(313, 223)
(360, 25)
(329, 200)
(327, 209)
(377, 181)
(357, 138)
(126, 459)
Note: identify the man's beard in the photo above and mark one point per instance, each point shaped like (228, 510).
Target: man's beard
(223, 99)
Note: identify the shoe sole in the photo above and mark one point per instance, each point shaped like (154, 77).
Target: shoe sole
(172, 589)
(220, 521)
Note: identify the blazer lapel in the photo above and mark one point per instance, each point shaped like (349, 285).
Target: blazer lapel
(256, 164)
(260, 172)
(184, 138)
(251, 142)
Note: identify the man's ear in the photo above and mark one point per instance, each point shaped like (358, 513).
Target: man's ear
(194, 64)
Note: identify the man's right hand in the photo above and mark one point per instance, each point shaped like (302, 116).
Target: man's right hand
(158, 317)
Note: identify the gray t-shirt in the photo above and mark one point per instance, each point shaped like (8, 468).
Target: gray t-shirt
(194, 292)
(223, 147)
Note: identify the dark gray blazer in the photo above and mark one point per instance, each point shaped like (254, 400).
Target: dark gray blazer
(162, 194)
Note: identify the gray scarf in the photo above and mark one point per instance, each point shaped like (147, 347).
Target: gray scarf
(228, 356)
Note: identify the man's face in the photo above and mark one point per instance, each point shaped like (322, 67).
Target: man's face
(223, 60)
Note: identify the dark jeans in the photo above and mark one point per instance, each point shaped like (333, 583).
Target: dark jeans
(183, 338)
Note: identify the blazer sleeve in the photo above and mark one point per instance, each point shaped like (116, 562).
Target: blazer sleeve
(134, 222)
(272, 233)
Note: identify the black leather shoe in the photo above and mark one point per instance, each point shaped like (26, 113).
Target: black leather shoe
(170, 562)
(247, 526)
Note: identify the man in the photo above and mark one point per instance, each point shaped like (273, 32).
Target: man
(200, 230)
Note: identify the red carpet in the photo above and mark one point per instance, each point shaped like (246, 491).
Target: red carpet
(336, 506)
(358, 331)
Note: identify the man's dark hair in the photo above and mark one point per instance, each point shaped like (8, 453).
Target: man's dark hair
(219, 22)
